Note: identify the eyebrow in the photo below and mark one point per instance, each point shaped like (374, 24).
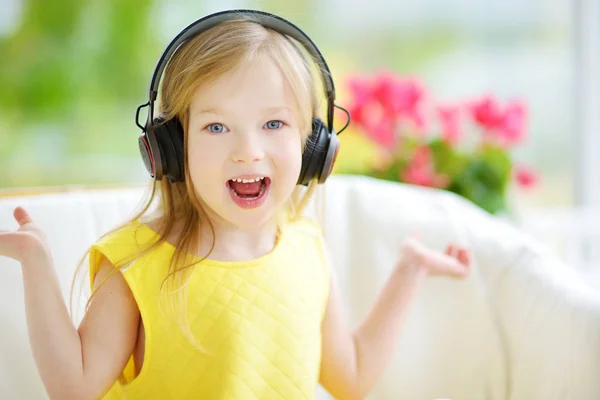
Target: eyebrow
(275, 109)
(269, 110)
(208, 111)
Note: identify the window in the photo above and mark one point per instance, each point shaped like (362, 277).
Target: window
(68, 112)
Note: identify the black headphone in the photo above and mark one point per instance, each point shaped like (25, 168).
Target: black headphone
(161, 142)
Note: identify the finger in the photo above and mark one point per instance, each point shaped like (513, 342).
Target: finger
(464, 256)
(451, 250)
(457, 270)
(22, 216)
(443, 264)
(454, 264)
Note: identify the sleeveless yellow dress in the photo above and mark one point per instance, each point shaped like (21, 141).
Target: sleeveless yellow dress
(259, 320)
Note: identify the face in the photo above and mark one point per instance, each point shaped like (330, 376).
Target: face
(244, 145)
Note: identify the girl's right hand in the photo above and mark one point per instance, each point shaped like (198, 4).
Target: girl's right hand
(454, 262)
(26, 243)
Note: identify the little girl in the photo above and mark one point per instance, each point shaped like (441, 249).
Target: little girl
(224, 290)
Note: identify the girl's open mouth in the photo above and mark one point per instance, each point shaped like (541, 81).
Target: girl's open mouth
(249, 193)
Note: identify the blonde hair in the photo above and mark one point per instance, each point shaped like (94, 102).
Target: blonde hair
(199, 61)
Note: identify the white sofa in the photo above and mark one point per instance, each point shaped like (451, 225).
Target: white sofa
(523, 326)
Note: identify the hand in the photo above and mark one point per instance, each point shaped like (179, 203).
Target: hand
(25, 244)
(454, 262)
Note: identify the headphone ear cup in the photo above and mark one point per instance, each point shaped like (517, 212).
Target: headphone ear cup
(169, 135)
(150, 152)
(315, 152)
(329, 160)
(177, 136)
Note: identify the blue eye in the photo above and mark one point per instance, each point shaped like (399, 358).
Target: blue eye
(274, 124)
(216, 128)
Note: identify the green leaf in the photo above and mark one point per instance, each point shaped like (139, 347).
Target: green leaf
(446, 159)
(497, 165)
(484, 181)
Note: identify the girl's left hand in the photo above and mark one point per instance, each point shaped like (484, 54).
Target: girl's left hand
(454, 262)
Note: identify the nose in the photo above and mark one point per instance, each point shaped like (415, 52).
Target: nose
(247, 149)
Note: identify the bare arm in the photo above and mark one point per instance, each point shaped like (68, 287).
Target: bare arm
(73, 364)
(352, 362)
(84, 363)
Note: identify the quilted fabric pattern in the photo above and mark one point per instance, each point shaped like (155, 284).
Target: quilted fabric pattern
(259, 320)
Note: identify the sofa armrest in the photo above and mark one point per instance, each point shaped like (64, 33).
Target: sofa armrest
(547, 315)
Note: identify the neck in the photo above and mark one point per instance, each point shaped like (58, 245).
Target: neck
(237, 244)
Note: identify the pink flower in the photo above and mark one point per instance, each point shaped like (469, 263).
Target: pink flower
(362, 94)
(512, 125)
(506, 126)
(382, 105)
(416, 119)
(449, 117)
(420, 171)
(383, 132)
(367, 111)
(395, 94)
(400, 98)
(525, 176)
(361, 89)
(486, 112)
(377, 125)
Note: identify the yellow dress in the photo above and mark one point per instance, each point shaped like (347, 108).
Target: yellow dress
(259, 320)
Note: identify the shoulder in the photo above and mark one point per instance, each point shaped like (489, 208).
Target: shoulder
(123, 244)
(308, 233)
(305, 225)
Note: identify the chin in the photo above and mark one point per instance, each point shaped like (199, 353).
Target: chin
(228, 211)
(252, 219)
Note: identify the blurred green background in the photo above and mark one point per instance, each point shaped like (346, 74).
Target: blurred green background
(73, 73)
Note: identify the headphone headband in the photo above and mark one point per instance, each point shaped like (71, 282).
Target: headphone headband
(161, 143)
(268, 20)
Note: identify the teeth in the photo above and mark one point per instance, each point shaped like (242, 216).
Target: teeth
(262, 191)
(248, 180)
